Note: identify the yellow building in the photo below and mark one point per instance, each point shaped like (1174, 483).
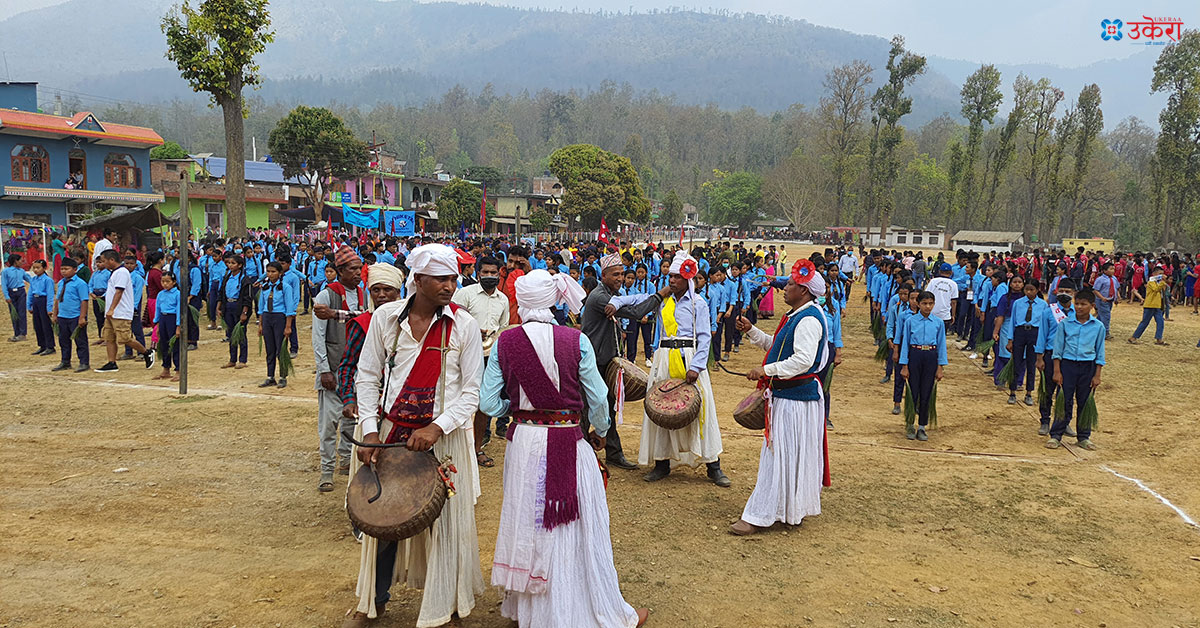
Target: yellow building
(1099, 245)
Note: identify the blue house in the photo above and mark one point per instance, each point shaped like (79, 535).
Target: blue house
(66, 166)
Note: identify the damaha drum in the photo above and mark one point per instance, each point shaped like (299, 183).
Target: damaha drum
(673, 404)
(751, 413)
(635, 378)
(400, 497)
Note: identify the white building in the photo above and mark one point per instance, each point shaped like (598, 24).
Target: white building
(987, 241)
(903, 237)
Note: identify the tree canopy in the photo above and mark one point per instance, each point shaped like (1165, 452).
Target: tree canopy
(169, 150)
(734, 198)
(459, 205)
(599, 184)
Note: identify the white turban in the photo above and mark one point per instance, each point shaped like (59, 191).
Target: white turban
(435, 260)
(538, 291)
(815, 285)
(385, 274)
(678, 260)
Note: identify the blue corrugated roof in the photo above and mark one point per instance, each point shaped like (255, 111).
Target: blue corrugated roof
(258, 171)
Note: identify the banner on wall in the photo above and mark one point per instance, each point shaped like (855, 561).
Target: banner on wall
(400, 223)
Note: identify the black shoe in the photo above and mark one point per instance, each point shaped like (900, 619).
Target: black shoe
(83, 368)
(828, 424)
(886, 379)
(62, 366)
(39, 351)
(282, 382)
(661, 469)
(1012, 399)
(267, 383)
(111, 367)
(921, 435)
(1043, 429)
(621, 462)
(192, 347)
(148, 358)
(293, 354)
(719, 478)
(1028, 399)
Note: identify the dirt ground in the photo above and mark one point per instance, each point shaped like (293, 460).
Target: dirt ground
(126, 505)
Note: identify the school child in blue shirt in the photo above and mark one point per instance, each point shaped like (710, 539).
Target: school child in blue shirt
(166, 317)
(1060, 309)
(1002, 332)
(897, 315)
(216, 276)
(235, 308)
(277, 302)
(644, 327)
(1078, 361)
(922, 358)
(39, 302)
(295, 279)
(70, 313)
(717, 304)
(832, 305)
(98, 285)
(1028, 341)
(137, 279)
(13, 279)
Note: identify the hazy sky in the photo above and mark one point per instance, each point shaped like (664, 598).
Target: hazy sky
(1061, 32)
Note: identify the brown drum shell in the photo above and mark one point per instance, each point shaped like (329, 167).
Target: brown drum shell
(751, 413)
(411, 500)
(636, 380)
(673, 404)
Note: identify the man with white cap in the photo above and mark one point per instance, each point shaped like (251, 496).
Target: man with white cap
(602, 331)
(684, 335)
(418, 382)
(553, 553)
(793, 464)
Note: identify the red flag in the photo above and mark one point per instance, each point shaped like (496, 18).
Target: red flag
(483, 210)
(603, 236)
(681, 236)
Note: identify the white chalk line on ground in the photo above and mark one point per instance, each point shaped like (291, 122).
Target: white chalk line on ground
(169, 390)
(1166, 502)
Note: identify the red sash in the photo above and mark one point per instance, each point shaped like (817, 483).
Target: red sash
(413, 408)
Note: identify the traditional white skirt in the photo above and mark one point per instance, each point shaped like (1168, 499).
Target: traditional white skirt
(791, 467)
(444, 560)
(560, 577)
(697, 443)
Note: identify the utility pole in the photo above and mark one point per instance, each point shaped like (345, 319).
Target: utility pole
(185, 311)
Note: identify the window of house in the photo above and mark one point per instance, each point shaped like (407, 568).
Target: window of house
(30, 163)
(933, 239)
(901, 238)
(121, 171)
(214, 214)
(916, 238)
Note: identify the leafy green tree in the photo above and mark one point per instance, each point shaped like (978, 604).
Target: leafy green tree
(539, 220)
(734, 198)
(889, 105)
(672, 211)
(980, 101)
(1177, 154)
(1038, 126)
(486, 175)
(1000, 157)
(312, 143)
(459, 205)
(599, 184)
(214, 47)
(169, 150)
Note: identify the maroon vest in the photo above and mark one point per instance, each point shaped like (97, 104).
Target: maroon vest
(521, 367)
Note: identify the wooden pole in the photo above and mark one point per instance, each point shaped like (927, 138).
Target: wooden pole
(184, 278)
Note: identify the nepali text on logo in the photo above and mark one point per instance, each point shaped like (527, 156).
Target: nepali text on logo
(1149, 31)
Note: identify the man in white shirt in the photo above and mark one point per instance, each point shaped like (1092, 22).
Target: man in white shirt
(422, 360)
(945, 291)
(106, 243)
(489, 307)
(119, 303)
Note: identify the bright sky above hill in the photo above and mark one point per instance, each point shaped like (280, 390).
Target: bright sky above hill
(1059, 32)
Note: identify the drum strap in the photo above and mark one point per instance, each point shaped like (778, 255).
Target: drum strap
(413, 407)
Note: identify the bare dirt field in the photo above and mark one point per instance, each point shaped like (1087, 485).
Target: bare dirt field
(214, 518)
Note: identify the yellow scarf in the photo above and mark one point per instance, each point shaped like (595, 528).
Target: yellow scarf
(676, 368)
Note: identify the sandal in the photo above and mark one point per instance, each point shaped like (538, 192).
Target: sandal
(484, 460)
(1161, 343)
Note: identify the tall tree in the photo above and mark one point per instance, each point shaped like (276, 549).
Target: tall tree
(734, 198)
(312, 143)
(1089, 121)
(1001, 155)
(841, 115)
(1038, 126)
(796, 191)
(1177, 154)
(214, 47)
(889, 105)
(980, 101)
(599, 184)
(672, 211)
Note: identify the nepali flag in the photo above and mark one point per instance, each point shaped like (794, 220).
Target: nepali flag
(603, 236)
(483, 210)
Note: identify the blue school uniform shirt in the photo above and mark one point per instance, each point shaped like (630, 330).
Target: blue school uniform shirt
(978, 280)
(255, 267)
(1026, 312)
(72, 294)
(744, 288)
(996, 295)
(295, 278)
(891, 318)
(923, 330)
(833, 322)
(216, 274)
(1083, 342)
(385, 258)
(99, 281)
(283, 298)
(717, 302)
(13, 278)
(316, 273)
(167, 302)
(1051, 322)
(959, 275)
(233, 287)
(40, 286)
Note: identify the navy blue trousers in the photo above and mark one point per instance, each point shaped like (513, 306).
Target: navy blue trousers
(1076, 386)
(135, 326)
(41, 323)
(922, 369)
(962, 314)
(273, 339)
(1024, 356)
(898, 386)
(20, 325)
(214, 297)
(233, 315)
(167, 325)
(973, 326)
(66, 327)
(193, 331)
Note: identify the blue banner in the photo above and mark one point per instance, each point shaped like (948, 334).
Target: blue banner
(400, 223)
(368, 220)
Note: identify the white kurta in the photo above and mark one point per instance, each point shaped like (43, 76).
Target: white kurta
(564, 576)
(444, 560)
(693, 445)
(791, 466)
